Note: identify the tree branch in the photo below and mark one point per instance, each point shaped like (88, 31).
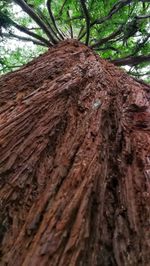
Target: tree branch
(107, 48)
(27, 9)
(143, 16)
(48, 3)
(80, 32)
(6, 67)
(131, 60)
(136, 74)
(116, 7)
(70, 25)
(140, 45)
(74, 18)
(114, 10)
(61, 10)
(28, 32)
(22, 38)
(87, 18)
(106, 39)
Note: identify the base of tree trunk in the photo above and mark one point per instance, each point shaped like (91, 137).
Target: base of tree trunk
(74, 163)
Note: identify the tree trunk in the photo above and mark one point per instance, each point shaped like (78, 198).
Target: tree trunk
(74, 162)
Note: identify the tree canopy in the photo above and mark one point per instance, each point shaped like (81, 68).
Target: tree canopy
(117, 30)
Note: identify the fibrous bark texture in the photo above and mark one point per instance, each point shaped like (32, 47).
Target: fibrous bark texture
(74, 163)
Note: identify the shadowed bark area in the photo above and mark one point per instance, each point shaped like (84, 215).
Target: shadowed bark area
(74, 163)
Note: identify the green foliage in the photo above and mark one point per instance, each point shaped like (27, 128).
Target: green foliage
(117, 29)
(4, 15)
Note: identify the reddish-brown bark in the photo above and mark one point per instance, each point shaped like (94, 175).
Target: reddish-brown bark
(74, 162)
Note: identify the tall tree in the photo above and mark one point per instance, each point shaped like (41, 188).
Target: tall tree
(74, 156)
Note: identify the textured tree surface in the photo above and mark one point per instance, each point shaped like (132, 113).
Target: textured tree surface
(74, 163)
